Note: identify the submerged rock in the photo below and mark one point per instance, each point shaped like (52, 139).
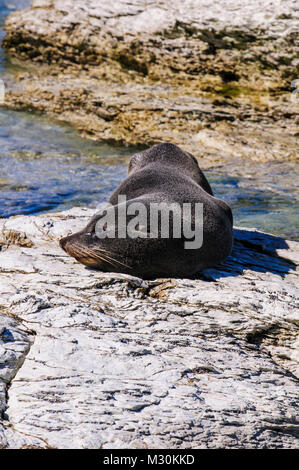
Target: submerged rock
(103, 360)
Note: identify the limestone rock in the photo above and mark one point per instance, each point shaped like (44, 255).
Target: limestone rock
(103, 360)
(202, 74)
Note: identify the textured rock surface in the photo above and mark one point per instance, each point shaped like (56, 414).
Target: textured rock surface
(207, 75)
(97, 360)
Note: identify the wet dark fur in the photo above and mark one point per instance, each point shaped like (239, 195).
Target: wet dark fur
(163, 173)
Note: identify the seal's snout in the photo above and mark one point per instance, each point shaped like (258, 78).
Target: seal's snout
(76, 245)
(63, 243)
(67, 244)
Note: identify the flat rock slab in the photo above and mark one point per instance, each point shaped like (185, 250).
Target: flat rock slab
(103, 360)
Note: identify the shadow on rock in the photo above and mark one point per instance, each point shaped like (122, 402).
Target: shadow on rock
(253, 251)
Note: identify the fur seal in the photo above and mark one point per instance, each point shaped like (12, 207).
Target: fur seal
(165, 174)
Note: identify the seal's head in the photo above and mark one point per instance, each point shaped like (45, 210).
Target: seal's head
(89, 250)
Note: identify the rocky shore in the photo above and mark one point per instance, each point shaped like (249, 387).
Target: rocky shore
(94, 360)
(103, 360)
(214, 79)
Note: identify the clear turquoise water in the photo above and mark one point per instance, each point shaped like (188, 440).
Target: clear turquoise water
(46, 166)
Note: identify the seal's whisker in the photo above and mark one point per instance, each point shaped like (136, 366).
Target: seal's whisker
(94, 254)
(100, 257)
(113, 259)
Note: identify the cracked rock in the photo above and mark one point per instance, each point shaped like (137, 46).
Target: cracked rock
(102, 360)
